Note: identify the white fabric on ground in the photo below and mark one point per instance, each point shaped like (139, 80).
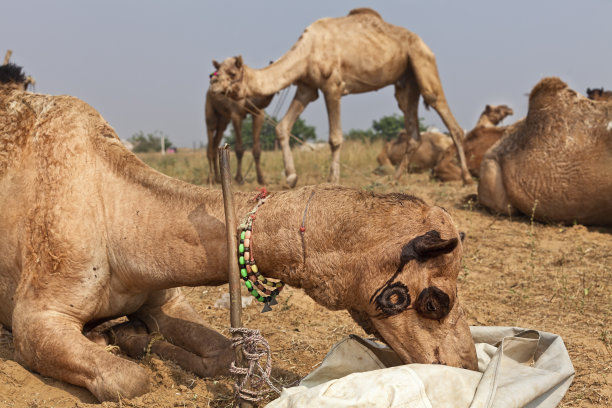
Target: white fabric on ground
(517, 368)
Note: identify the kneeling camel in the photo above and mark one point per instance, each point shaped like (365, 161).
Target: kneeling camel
(556, 163)
(83, 219)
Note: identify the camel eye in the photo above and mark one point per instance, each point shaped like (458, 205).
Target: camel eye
(232, 74)
(394, 299)
(433, 303)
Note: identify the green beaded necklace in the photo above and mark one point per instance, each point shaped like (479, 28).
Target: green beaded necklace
(248, 269)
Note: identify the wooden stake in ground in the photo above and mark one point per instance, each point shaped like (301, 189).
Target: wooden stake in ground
(232, 248)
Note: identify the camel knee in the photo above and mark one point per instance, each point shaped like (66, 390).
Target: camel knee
(282, 133)
(335, 141)
(491, 190)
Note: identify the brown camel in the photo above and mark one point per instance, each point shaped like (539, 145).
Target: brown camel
(219, 111)
(599, 94)
(556, 163)
(91, 233)
(341, 56)
(480, 139)
(422, 155)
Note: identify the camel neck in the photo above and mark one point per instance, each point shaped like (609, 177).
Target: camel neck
(278, 75)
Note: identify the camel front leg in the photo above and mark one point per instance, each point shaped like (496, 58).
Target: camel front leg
(52, 344)
(237, 123)
(258, 121)
(426, 73)
(303, 96)
(491, 189)
(214, 139)
(211, 155)
(168, 313)
(332, 102)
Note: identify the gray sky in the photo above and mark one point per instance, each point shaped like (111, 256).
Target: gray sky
(144, 65)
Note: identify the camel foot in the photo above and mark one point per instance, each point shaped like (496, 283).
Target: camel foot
(239, 179)
(468, 181)
(292, 180)
(261, 181)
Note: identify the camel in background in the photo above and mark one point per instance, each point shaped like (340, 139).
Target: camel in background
(219, 110)
(422, 155)
(86, 238)
(341, 56)
(13, 75)
(480, 139)
(598, 94)
(555, 164)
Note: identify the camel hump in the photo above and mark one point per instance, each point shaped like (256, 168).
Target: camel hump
(546, 91)
(364, 10)
(547, 86)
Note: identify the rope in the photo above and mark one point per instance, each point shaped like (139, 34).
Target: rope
(254, 347)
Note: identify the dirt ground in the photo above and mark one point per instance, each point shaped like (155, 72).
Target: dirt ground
(516, 272)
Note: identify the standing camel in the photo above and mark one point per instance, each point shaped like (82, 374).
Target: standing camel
(341, 56)
(219, 111)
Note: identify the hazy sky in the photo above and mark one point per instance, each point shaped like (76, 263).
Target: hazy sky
(144, 65)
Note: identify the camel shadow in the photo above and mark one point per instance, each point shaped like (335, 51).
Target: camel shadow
(470, 203)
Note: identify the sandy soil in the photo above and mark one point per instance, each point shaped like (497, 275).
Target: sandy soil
(515, 273)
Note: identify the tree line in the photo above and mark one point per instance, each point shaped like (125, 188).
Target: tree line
(386, 128)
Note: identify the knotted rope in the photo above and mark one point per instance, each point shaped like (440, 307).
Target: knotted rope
(254, 347)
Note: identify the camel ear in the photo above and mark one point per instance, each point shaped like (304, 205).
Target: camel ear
(427, 246)
(216, 64)
(487, 108)
(239, 61)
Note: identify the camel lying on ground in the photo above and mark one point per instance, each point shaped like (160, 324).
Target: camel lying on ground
(341, 56)
(599, 94)
(480, 139)
(422, 155)
(556, 163)
(91, 233)
(219, 111)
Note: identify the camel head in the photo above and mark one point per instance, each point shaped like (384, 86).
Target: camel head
(228, 78)
(412, 303)
(599, 94)
(12, 77)
(493, 115)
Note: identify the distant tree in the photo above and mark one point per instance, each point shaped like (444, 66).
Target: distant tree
(388, 127)
(151, 142)
(267, 137)
(360, 135)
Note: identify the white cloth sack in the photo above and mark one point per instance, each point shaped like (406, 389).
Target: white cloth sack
(517, 368)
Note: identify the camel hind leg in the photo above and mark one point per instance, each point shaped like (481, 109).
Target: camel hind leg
(407, 96)
(426, 73)
(52, 345)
